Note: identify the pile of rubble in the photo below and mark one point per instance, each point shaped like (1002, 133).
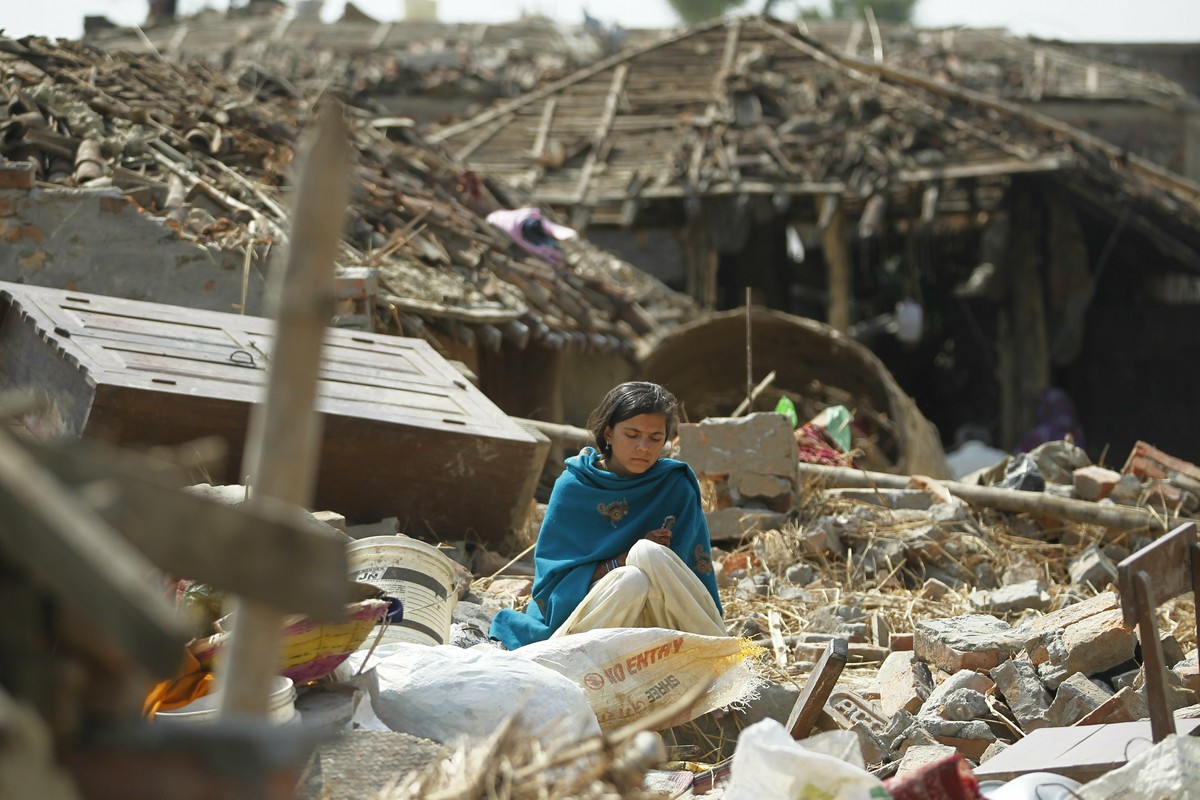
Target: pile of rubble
(210, 160)
(966, 628)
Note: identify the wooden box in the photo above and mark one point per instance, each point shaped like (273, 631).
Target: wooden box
(405, 435)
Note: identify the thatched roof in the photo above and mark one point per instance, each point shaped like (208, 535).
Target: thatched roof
(750, 106)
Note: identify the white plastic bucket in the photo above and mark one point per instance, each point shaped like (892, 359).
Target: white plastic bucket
(281, 707)
(416, 573)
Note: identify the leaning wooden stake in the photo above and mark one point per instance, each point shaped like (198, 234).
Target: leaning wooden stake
(284, 433)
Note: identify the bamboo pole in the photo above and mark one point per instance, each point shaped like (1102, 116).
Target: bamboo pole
(283, 438)
(1015, 500)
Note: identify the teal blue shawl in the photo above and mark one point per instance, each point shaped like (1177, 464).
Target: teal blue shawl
(595, 515)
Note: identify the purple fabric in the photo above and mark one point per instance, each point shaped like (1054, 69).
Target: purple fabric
(1056, 420)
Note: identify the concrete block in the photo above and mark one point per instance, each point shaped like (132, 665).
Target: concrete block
(1024, 693)
(1069, 614)
(971, 641)
(1014, 597)
(731, 524)
(1094, 483)
(760, 442)
(903, 683)
(1100, 642)
(960, 680)
(1093, 568)
(969, 737)
(964, 704)
(1075, 699)
(874, 749)
(922, 755)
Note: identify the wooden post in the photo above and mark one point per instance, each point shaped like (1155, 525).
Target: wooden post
(837, 263)
(820, 684)
(284, 433)
(701, 259)
(1022, 347)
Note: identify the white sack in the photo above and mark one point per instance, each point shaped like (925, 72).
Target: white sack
(444, 692)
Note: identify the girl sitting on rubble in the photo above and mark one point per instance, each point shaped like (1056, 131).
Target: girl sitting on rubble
(624, 542)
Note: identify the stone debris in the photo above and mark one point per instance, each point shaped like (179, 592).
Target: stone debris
(995, 624)
(970, 641)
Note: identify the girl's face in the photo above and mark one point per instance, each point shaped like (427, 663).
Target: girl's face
(636, 443)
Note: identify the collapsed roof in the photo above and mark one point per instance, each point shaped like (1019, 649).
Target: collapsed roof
(751, 107)
(210, 159)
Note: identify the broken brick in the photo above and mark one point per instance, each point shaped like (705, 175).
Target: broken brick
(971, 641)
(1094, 483)
(903, 683)
(1077, 697)
(16, 174)
(1025, 695)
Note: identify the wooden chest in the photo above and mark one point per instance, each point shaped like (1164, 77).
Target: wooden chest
(405, 435)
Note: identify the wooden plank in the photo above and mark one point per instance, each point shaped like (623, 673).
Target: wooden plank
(820, 684)
(1082, 753)
(268, 551)
(1166, 561)
(1162, 722)
(53, 535)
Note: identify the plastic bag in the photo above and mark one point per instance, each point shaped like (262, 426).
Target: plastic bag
(768, 763)
(786, 407)
(444, 692)
(1168, 769)
(628, 673)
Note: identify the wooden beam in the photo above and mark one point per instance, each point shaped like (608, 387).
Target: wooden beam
(539, 143)
(600, 144)
(838, 271)
(1013, 500)
(283, 437)
(482, 138)
(282, 558)
(563, 83)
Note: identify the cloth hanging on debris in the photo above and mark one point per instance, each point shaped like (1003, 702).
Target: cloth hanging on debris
(595, 515)
(533, 232)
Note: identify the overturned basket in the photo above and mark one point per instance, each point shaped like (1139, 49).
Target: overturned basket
(313, 649)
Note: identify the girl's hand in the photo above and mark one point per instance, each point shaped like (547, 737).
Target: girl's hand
(661, 536)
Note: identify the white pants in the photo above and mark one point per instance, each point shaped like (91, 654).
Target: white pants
(654, 589)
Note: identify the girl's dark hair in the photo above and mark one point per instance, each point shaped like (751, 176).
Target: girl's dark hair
(629, 400)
